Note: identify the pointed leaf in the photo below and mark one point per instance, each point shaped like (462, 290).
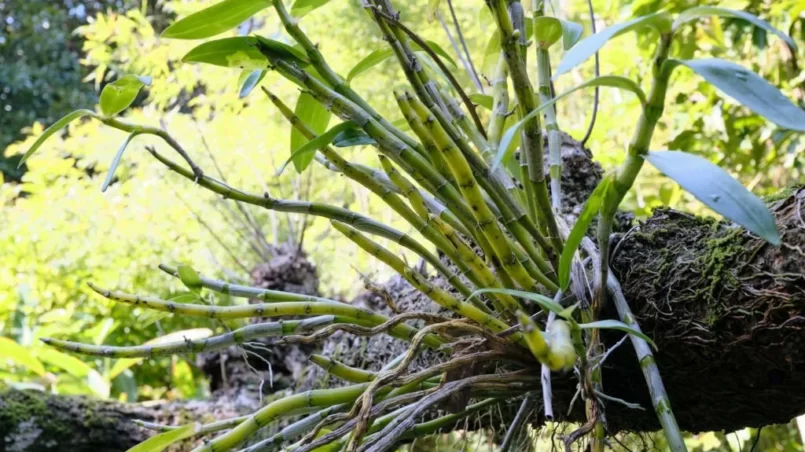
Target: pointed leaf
(58, 125)
(368, 62)
(253, 79)
(159, 442)
(718, 190)
(749, 89)
(379, 56)
(238, 52)
(588, 212)
(116, 161)
(547, 30)
(484, 100)
(352, 137)
(587, 47)
(617, 325)
(190, 278)
(302, 7)
(118, 95)
(699, 12)
(305, 152)
(15, 352)
(612, 81)
(214, 20)
(316, 117)
(571, 33)
(543, 301)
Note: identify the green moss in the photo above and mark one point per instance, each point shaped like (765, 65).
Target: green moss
(782, 194)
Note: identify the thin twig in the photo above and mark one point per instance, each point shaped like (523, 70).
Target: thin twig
(597, 73)
(473, 72)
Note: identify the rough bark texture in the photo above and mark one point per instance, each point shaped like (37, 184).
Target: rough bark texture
(726, 310)
(34, 421)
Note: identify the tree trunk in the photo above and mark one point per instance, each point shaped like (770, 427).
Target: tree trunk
(726, 310)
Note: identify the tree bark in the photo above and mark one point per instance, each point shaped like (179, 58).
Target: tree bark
(726, 310)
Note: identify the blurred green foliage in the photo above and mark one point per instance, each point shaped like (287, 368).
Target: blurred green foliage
(59, 231)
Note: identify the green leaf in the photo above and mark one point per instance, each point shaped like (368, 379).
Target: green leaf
(749, 89)
(58, 125)
(718, 190)
(352, 137)
(305, 152)
(484, 100)
(15, 352)
(432, 9)
(159, 442)
(379, 56)
(587, 47)
(316, 117)
(612, 81)
(214, 20)
(118, 95)
(368, 62)
(190, 278)
(438, 50)
(272, 49)
(253, 79)
(121, 365)
(588, 212)
(547, 30)
(238, 52)
(116, 161)
(541, 300)
(63, 361)
(302, 7)
(699, 12)
(571, 33)
(617, 325)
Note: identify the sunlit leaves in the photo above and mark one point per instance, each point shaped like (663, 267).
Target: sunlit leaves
(214, 20)
(547, 30)
(587, 47)
(313, 114)
(118, 95)
(63, 361)
(302, 7)
(718, 190)
(588, 212)
(58, 125)
(749, 89)
(239, 52)
(699, 12)
(10, 350)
